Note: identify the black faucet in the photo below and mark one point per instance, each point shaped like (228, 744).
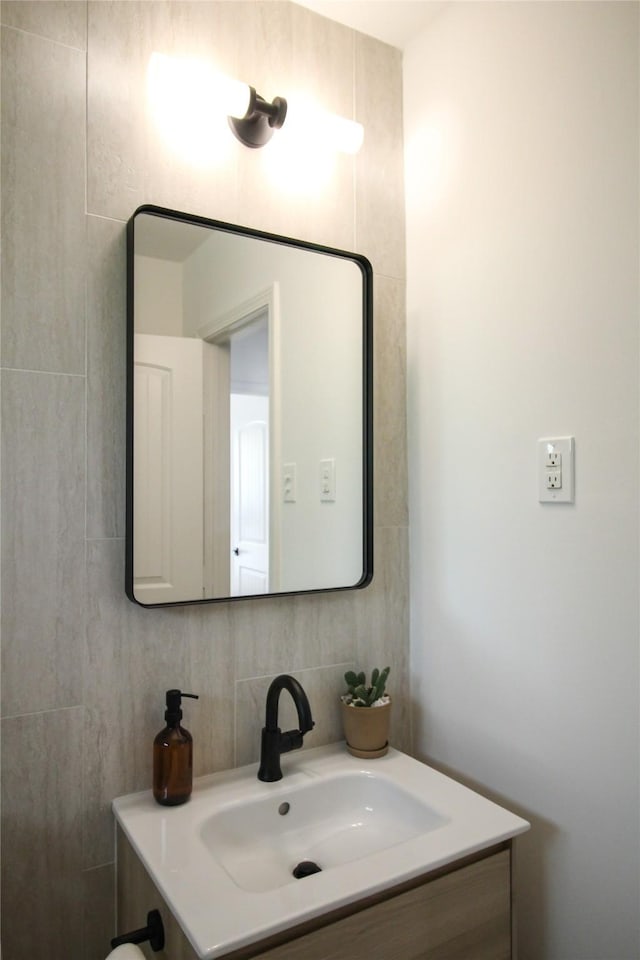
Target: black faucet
(274, 742)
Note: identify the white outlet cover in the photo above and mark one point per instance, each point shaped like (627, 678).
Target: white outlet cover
(565, 447)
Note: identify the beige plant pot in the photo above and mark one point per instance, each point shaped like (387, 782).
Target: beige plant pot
(366, 730)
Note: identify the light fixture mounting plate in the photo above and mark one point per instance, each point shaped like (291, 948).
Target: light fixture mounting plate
(261, 119)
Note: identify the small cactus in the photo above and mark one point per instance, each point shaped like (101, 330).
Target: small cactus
(361, 695)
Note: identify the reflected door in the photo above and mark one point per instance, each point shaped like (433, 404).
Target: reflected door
(168, 458)
(249, 495)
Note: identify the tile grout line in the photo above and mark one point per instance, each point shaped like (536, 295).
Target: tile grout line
(39, 36)
(324, 666)
(46, 373)
(42, 713)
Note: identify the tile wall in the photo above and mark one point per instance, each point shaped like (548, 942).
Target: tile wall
(83, 670)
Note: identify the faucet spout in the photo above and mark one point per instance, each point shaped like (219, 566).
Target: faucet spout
(274, 742)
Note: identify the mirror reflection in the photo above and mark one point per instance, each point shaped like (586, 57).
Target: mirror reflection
(249, 413)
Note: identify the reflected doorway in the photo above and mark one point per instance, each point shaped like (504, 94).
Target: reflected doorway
(249, 494)
(249, 446)
(242, 447)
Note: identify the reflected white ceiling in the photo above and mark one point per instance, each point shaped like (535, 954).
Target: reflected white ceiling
(393, 21)
(165, 239)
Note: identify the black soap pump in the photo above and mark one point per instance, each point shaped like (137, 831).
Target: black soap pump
(173, 755)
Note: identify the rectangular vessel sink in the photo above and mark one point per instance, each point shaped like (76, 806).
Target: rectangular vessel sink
(223, 861)
(327, 822)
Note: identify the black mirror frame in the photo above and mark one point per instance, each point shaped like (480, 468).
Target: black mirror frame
(367, 407)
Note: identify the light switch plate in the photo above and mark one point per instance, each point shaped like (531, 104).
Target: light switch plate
(289, 483)
(556, 469)
(328, 480)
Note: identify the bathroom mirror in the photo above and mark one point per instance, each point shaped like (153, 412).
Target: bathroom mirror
(249, 413)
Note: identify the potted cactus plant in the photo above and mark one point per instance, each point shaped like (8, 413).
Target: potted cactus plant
(366, 713)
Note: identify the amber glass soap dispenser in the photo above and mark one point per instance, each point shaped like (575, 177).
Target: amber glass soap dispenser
(173, 755)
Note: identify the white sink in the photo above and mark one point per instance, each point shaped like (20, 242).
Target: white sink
(329, 822)
(224, 861)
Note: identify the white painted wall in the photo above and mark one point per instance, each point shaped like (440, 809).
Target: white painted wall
(521, 128)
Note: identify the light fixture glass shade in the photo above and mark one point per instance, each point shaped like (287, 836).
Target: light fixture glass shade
(231, 96)
(189, 101)
(310, 122)
(344, 135)
(188, 83)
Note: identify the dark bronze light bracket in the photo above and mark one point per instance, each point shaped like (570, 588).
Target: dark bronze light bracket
(261, 119)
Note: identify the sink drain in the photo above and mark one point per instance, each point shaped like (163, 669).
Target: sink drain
(305, 869)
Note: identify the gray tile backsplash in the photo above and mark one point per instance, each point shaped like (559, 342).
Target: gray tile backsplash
(84, 671)
(380, 232)
(106, 353)
(42, 762)
(43, 206)
(390, 392)
(43, 564)
(267, 633)
(62, 20)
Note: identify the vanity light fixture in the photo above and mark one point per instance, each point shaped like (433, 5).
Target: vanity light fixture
(305, 122)
(182, 87)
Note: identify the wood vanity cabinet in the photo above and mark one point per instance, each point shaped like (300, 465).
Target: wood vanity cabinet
(461, 912)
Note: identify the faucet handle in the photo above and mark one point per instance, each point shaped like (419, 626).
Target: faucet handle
(291, 740)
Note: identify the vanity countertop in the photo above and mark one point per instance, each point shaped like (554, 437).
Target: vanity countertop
(223, 861)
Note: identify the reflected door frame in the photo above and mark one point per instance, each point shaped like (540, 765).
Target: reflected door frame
(218, 332)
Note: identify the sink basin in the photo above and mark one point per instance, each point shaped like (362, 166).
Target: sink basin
(224, 861)
(328, 822)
